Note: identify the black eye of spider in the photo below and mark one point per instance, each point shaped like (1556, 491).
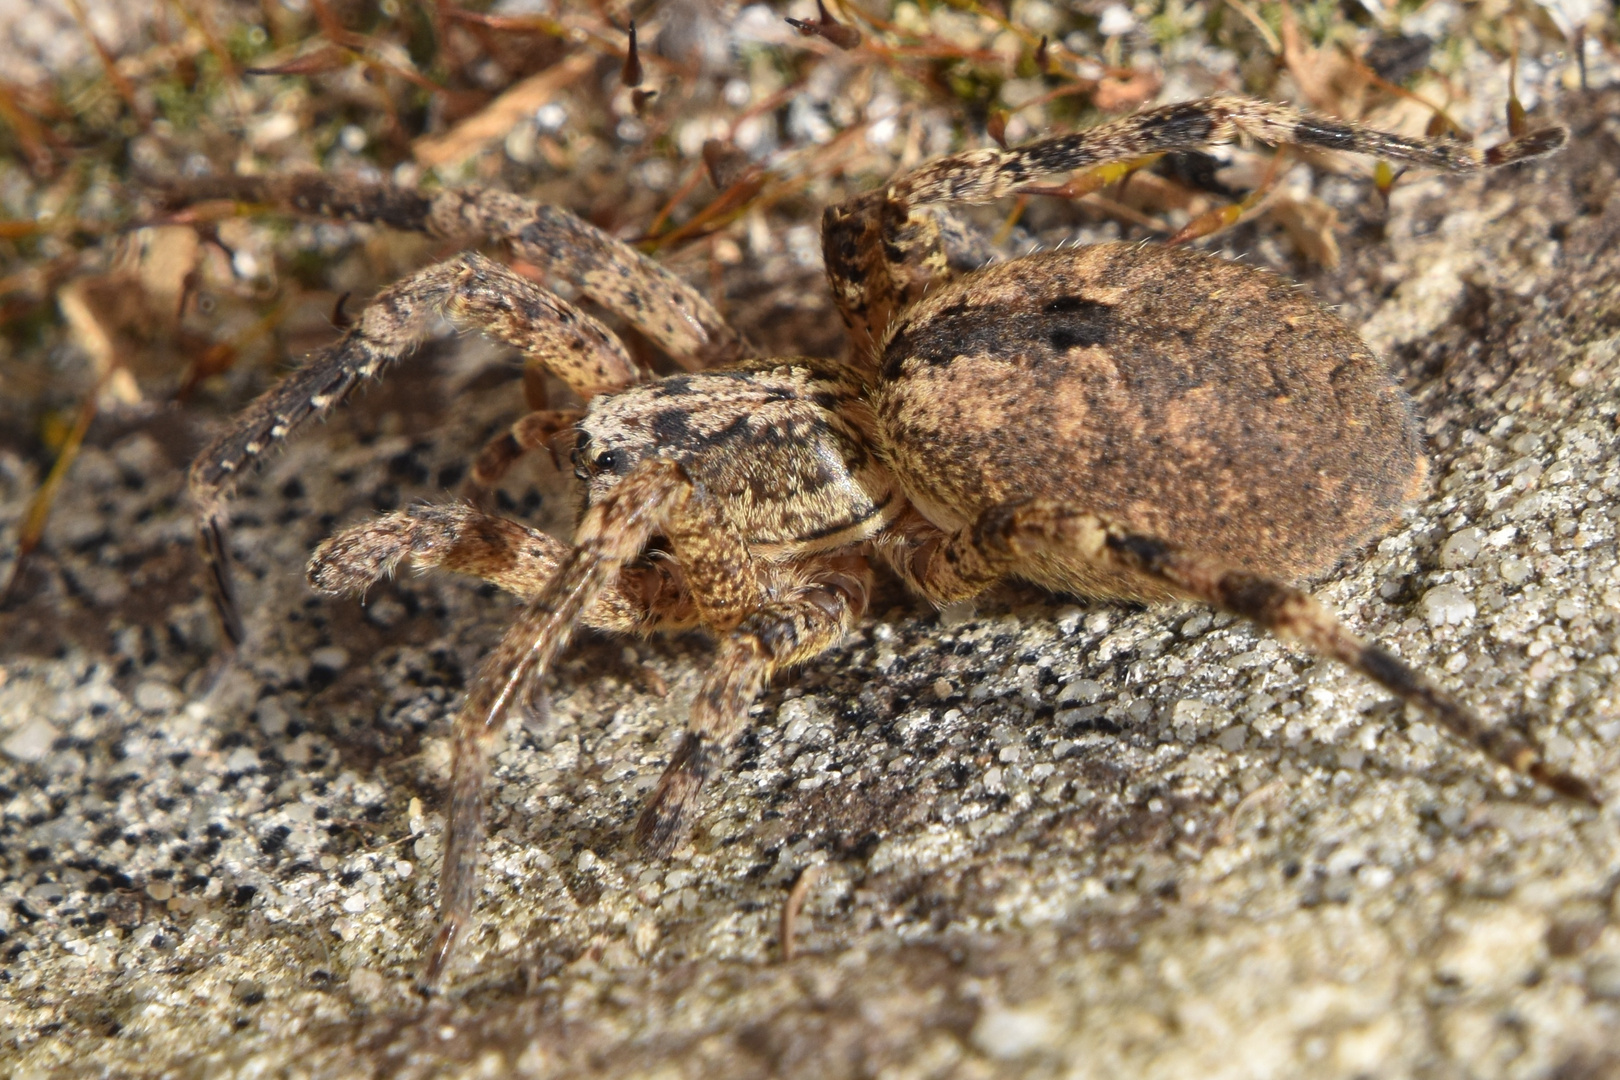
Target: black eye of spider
(608, 461)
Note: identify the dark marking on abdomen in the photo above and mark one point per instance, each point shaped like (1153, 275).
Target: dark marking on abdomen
(1061, 324)
(1079, 322)
(671, 428)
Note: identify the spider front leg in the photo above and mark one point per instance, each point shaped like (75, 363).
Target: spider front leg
(611, 272)
(654, 499)
(646, 596)
(1007, 537)
(471, 291)
(534, 431)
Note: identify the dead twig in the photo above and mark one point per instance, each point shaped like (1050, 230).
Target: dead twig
(791, 906)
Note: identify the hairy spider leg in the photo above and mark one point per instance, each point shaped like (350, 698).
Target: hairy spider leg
(882, 252)
(610, 534)
(983, 175)
(647, 596)
(614, 274)
(655, 499)
(531, 432)
(471, 291)
(772, 614)
(958, 566)
(818, 601)
(806, 620)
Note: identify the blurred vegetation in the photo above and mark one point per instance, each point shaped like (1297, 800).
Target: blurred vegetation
(738, 128)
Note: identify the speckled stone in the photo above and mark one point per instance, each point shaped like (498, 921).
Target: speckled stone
(1055, 839)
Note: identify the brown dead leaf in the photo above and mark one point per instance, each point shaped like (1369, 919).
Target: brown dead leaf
(117, 316)
(1115, 94)
(1311, 225)
(725, 163)
(498, 118)
(827, 27)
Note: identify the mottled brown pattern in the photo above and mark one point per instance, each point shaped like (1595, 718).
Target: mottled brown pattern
(1118, 421)
(611, 272)
(781, 445)
(883, 251)
(470, 290)
(1175, 393)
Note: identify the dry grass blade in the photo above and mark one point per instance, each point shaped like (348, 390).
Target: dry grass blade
(109, 64)
(318, 61)
(39, 507)
(30, 133)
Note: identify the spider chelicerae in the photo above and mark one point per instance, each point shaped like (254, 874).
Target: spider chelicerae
(1115, 421)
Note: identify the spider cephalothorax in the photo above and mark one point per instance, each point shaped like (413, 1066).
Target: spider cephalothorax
(1114, 421)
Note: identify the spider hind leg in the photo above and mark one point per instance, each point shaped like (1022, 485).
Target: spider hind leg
(1007, 536)
(882, 254)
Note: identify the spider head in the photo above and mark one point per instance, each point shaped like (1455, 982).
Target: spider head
(777, 443)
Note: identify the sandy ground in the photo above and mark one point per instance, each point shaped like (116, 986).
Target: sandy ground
(1053, 838)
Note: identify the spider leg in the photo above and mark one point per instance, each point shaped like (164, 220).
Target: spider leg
(655, 499)
(1006, 537)
(521, 560)
(470, 290)
(611, 272)
(983, 175)
(533, 431)
(882, 250)
(808, 620)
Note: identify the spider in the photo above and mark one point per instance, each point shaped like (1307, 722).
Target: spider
(1117, 421)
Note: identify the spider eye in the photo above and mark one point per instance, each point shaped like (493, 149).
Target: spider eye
(608, 461)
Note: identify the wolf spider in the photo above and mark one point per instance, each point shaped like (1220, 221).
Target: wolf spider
(1116, 421)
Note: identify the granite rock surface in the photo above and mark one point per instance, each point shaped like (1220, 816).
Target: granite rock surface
(1054, 838)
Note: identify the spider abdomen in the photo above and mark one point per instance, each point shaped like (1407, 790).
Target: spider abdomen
(1188, 397)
